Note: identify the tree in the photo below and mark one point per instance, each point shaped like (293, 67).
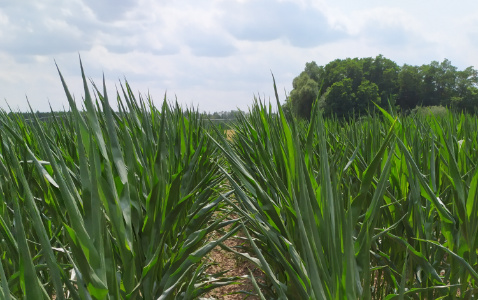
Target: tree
(466, 91)
(438, 83)
(384, 73)
(366, 93)
(339, 98)
(346, 85)
(446, 81)
(467, 101)
(409, 81)
(314, 71)
(340, 69)
(466, 79)
(303, 95)
(429, 90)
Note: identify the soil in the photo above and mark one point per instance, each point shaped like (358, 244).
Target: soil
(224, 260)
(230, 134)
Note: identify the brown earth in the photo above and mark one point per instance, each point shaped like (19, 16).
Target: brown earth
(230, 134)
(223, 260)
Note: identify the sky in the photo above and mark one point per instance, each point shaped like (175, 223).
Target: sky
(216, 55)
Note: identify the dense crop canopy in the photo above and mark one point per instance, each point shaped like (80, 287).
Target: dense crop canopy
(98, 204)
(374, 208)
(106, 204)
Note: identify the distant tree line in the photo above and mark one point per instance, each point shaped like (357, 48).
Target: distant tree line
(350, 86)
(42, 116)
(222, 118)
(217, 117)
(222, 115)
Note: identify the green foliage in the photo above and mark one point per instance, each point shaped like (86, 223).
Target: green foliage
(314, 71)
(108, 205)
(436, 111)
(366, 95)
(369, 209)
(346, 86)
(98, 204)
(304, 94)
(407, 86)
(343, 98)
(409, 80)
(468, 102)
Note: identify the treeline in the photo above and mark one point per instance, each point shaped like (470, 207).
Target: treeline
(42, 116)
(349, 86)
(218, 118)
(222, 115)
(222, 119)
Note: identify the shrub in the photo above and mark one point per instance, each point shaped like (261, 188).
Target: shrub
(437, 111)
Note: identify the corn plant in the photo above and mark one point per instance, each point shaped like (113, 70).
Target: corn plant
(97, 204)
(103, 204)
(383, 207)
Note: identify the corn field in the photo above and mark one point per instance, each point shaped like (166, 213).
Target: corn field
(103, 204)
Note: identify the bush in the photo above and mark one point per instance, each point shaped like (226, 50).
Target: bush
(437, 111)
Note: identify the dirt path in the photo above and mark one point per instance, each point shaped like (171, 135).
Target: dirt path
(223, 260)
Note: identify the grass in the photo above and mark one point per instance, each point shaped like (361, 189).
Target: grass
(103, 204)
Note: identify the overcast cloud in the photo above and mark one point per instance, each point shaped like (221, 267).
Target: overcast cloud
(215, 54)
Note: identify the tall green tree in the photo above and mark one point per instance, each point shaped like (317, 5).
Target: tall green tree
(429, 89)
(340, 98)
(347, 86)
(343, 68)
(304, 94)
(446, 80)
(366, 94)
(438, 83)
(314, 71)
(466, 87)
(465, 79)
(384, 73)
(409, 80)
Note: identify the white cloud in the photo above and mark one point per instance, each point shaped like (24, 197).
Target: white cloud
(264, 20)
(215, 53)
(108, 11)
